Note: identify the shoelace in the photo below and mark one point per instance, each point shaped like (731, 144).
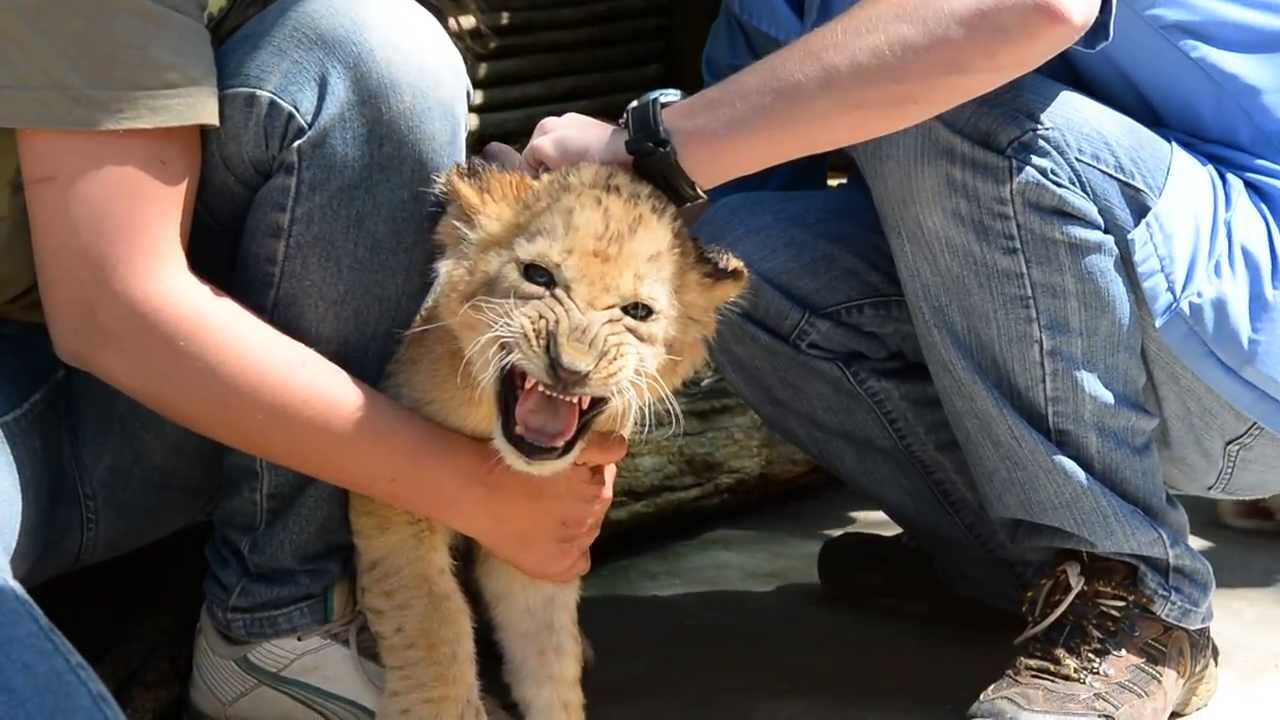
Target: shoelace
(1096, 621)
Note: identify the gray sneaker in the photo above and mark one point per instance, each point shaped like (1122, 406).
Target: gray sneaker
(320, 675)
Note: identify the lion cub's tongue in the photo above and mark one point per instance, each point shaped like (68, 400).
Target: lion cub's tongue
(545, 420)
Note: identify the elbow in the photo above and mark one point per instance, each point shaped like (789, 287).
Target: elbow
(97, 320)
(74, 332)
(1069, 19)
(81, 327)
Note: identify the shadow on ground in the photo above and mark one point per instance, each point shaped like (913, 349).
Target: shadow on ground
(715, 621)
(133, 619)
(1240, 559)
(780, 653)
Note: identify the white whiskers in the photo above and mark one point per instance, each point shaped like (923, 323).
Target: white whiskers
(642, 398)
(489, 355)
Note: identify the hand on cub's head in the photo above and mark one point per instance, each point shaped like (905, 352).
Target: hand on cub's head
(561, 141)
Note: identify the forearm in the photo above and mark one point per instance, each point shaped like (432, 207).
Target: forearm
(197, 357)
(109, 214)
(882, 66)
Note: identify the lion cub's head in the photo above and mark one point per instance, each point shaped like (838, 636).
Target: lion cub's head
(576, 299)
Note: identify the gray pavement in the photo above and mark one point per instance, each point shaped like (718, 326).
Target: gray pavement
(729, 623)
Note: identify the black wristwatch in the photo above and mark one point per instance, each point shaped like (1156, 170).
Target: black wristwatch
(651, 151)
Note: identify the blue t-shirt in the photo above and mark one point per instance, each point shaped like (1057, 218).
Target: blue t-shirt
(1205, 74)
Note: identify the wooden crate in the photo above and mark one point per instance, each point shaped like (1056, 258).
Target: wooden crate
(532, 58)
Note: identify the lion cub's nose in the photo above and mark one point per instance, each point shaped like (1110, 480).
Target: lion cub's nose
(565, 377)
(568, 363)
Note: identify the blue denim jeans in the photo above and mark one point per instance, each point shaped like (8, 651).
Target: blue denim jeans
(957, 334)
(312, 212)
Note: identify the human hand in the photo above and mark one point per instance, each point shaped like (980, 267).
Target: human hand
(544, 525)
(573, 138)
(502, 155)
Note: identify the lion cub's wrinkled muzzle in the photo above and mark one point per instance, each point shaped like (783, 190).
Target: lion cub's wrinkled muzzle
(543, 423)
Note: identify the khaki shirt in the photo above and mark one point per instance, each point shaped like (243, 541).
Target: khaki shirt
(93, 65)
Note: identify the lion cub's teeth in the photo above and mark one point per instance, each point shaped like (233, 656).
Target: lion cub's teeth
(584, 401)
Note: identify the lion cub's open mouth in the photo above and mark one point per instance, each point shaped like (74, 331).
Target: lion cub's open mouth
(542, 423)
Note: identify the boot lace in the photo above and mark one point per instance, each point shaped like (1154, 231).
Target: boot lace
(1074, 624)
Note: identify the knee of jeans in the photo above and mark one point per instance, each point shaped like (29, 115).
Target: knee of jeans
(409, 67)
(1032, 120)
(403, 74)
(387, 73)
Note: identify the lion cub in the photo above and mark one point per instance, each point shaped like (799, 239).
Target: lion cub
(569, 302)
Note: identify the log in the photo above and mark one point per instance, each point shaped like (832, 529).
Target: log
(724, 459)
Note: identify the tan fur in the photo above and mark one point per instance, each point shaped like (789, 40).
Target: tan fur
(611, 240)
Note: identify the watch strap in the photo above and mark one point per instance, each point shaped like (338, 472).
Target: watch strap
(653, 155)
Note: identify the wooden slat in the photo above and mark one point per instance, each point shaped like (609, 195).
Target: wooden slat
(486, 73)
(566, 87)
(508, 123)
(578, 37)
(604, 11)
(529, 59)
(492, 5)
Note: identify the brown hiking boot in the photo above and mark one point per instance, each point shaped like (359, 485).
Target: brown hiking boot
(1094, 651)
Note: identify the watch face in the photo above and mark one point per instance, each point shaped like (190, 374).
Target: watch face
(666, 96)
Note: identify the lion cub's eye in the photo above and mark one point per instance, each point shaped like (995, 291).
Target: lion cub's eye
(637, 311)
(538, 275)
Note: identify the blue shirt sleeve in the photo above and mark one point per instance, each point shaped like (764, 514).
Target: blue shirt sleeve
(1099, 34)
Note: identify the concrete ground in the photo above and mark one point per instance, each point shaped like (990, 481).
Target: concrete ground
(729, 623)
(723, 622)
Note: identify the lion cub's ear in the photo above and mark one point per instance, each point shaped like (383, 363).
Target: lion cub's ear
(721, 275)
(482, 199)
(711, 278)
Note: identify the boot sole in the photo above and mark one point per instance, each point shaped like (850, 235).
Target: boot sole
(1198, 691)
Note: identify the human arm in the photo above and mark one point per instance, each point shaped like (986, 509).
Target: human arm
(733, 43)
(881, 66)
(109, 215)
